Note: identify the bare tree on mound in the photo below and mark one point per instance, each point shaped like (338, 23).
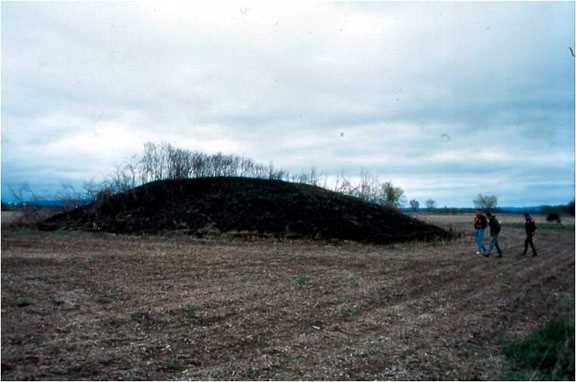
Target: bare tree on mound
(163, 161)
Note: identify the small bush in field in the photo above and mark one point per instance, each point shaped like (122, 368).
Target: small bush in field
(350, 311)
(302, 280)
(191, 311)
(553, 217)
(24, 301)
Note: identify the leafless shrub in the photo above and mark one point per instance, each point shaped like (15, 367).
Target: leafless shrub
(164, 161)
(102, 196)
(369, 188)
(26, 201)
(486, 202)
(343, 185)
(312, 177)
(69, 197)
(91, 189)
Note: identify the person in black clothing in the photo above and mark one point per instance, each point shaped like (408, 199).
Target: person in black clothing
(495, 228)
(530, 228)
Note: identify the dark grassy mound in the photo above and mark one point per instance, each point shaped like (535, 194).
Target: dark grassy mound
(225, 204)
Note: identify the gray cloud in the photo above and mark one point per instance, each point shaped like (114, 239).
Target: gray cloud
(424, 94)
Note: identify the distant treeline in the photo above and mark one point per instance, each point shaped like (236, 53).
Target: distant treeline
(561, 209)
(456, 210)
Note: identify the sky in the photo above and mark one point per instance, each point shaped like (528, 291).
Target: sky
(444, 99)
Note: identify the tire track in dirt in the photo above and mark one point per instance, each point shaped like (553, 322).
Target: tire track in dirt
(415, 294)
(419, 294)
(470, 298)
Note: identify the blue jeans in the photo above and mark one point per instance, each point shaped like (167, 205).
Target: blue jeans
(494, 243)
(479, 236)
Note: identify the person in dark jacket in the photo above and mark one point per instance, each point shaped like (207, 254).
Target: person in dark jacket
(495, 229)
(479, 227)
(530, 227)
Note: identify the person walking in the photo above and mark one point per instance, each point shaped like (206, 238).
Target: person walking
(480, 224)
(530, 227)
(495, 229)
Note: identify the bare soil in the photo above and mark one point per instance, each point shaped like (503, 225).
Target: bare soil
(98, 306)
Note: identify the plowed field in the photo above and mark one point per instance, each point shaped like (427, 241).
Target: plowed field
(101, 306)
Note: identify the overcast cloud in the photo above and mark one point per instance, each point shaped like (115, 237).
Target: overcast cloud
(446, 100)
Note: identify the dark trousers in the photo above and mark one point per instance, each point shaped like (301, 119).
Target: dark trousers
(527, 242)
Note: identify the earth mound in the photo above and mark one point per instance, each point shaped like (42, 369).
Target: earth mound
(234, 205)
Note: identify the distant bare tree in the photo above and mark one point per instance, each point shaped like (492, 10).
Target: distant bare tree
(147, 163)
(246, 167)
(91, 188)
(131, 169)
(486, 202)
(26, 201)
(69, 197)
(312, 177)
(179, 163)
(21, 193)
(277, 174)
(343, 185)
(392, 196)
(369, 189)
(123, 178)
(414, 204)
(430, 204)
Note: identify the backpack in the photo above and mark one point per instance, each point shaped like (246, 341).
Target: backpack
(530, 227)
(495, 226)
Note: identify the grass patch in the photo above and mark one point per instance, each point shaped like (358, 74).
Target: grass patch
(24, 301)
(302, 280)
(354, 280)
(192, 312)
(546, 354)
(350, 311)
(21, 228)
